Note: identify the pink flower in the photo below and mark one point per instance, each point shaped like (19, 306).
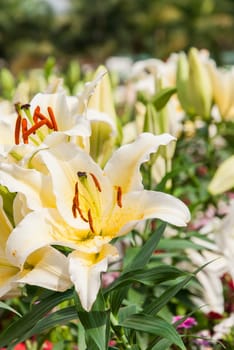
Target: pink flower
(109, 277)
(187, 323)
(112, 343)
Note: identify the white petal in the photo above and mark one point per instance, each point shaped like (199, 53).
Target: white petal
(85, 274)
(123, 169)
(30, 182)
(32, 233)
(144, 205)
(50, 270)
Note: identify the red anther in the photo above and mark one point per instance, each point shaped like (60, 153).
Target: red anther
(17, 129)
(36, 114)
(24, 130)
(52, 118)
(33, 129)
(96, 182)
(90, 221)
(119, 196)
(76, 205)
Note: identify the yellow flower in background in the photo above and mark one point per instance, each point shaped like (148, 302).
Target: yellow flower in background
(223, 89)
(93, 206)
(223, 179)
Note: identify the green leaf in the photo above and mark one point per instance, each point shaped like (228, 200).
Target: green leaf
(59, 317)
(29, 320)
(162, 344)
(8, 199)
(7, 307)
(150, 276)
(175, 244)
(162, 97)
(95, 322)
(165, 297)
(137, 263)
(143, 256)
(153, 325)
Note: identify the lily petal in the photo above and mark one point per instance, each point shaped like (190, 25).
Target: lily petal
(128, 159)
(85, 270)
(33, 184)
(142, 205)
(50, 270)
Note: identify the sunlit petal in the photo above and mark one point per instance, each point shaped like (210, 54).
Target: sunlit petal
(85, 270)
(47, 268)
(123, 169)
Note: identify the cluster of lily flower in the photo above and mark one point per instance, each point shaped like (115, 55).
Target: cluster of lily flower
(71, 181)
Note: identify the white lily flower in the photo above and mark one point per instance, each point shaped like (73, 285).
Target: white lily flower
(45, 267)
(93, 206)
(224, 238)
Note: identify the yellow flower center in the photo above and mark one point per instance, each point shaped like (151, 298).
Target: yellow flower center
(87, 200)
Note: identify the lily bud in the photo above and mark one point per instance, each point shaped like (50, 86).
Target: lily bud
(7, 83)
(182, 84)
(102, 98)
(101, 113)
(193, 84)
(200, 84)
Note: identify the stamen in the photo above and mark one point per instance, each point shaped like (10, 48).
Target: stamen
(52, 118)
(17, 129)
(33, 129)
(38, 115)
(24, 130)
(76, 205)
(96, 182)
(119, 196)
(75, 201)
(90, 221)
